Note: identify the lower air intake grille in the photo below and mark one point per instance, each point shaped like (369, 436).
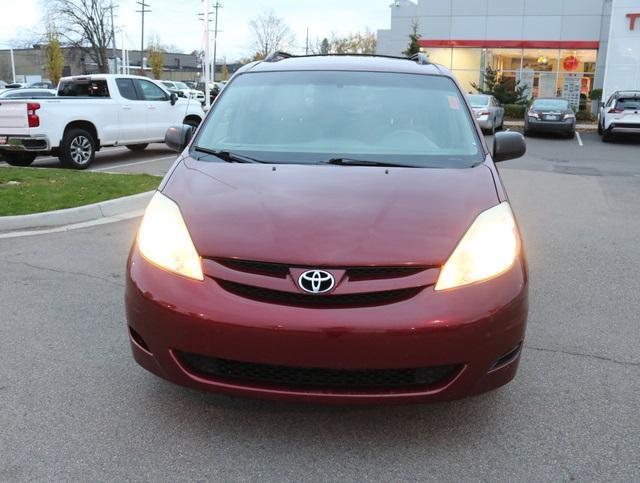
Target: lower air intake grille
(315, 377)
(302, 300)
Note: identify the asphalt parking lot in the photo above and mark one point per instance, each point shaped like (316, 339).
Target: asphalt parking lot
(74, 405)
(156, 159)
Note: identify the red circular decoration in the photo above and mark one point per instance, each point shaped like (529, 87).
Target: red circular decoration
(571, 63)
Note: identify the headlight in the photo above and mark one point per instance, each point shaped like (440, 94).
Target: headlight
(488, 248)
(164, 240)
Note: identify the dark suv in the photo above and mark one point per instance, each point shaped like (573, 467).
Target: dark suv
(335, 231)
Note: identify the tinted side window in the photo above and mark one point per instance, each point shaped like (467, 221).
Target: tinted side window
(80, 88)
(127, 89)
(151, 91)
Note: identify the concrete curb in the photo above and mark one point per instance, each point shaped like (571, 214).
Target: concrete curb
(81, 214)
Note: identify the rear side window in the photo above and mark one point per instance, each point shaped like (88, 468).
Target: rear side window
(151, 91)
(628, 104)
(84, 88)
(127, 89)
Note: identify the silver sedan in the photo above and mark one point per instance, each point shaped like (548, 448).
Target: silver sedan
(488, 112)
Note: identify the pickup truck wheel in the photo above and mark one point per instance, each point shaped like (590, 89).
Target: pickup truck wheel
(137, 147)
(19, 159)
(78, 149)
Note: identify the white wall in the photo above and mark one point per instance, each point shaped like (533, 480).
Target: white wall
(569, 20)
(623, 54)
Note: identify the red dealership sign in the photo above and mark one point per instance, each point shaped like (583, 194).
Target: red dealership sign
(632, 20)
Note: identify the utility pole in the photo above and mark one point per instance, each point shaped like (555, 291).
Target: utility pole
(113, 42)
(207, 73)
(306, 50)
(143, 10)
(215, 39)
(13, 65)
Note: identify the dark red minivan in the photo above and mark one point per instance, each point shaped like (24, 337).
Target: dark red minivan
(335, 232)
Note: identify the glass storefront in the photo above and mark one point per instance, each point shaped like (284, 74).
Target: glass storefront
(547, 72)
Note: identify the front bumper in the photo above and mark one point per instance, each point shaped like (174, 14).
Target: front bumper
(471, 328)
(25, 143)
(537, 125)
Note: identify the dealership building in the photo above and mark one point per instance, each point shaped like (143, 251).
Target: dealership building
(554, 47)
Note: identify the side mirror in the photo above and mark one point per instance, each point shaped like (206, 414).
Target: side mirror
(173, 98)
(508, 145)
(178, 137)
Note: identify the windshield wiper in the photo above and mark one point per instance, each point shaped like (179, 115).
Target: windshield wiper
(228, 156)
(365, 162)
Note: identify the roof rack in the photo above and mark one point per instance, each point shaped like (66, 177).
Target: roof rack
(276, 56)
(421, 58)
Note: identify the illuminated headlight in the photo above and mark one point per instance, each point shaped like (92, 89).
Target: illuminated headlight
(164, 240)
(489, 248)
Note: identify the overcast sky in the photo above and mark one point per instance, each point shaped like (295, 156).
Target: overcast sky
(176, 22)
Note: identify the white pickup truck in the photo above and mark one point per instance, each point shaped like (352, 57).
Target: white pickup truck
(91, 112)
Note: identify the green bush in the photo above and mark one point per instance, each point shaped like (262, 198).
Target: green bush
(584, 116)
(514, 111)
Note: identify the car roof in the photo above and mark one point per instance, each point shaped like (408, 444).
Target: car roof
(370, 63)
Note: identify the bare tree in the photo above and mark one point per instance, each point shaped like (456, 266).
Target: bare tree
(87, 27)
(270, 33)
(354, 43)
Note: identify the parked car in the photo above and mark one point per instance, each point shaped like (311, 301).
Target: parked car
(42, 85)
(336, 231)
(27, 93)
(214, 90)
(16, 85)
(89, 113)
(550, 115)
(619, 115)
(3, 84)
(183, 90)
(488, 112)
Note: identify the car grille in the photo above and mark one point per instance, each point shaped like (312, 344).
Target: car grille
(281, 270)
(290, 376)
(363, 299)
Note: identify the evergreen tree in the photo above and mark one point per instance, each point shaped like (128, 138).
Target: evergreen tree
(414, 38)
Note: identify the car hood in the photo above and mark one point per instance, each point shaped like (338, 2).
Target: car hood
(328, 215)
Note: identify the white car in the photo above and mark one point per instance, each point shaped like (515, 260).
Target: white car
(184, 89)
(89, 113)
(488, 112)
(620, 115)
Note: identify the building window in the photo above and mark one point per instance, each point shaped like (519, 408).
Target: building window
(547, 72)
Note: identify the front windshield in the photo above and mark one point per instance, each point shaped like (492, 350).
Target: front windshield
(478, 100)
(545, 104)
(310, 117)
(181, 85)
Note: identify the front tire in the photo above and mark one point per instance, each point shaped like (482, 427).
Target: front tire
(78, 149)
(137, 147)
(19, 159)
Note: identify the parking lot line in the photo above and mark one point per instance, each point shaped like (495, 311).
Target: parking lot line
(579, 138)
(146, 161)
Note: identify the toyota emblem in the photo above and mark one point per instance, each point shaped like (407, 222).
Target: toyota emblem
(316, 281)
